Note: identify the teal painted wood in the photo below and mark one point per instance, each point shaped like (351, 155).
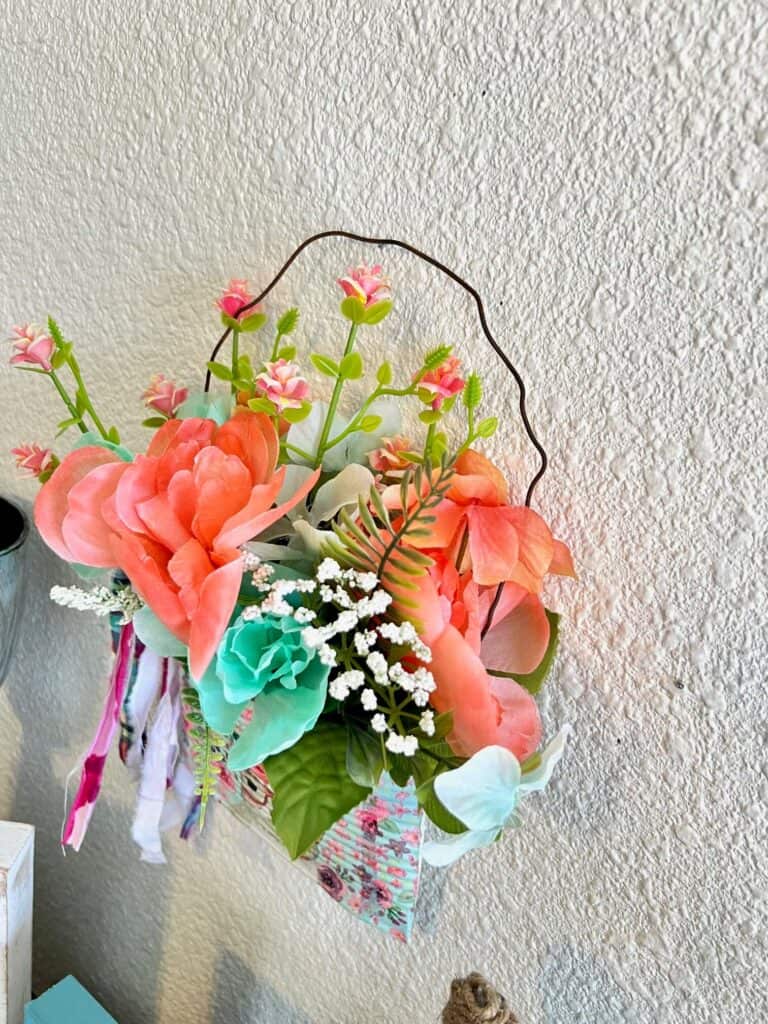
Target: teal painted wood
(66, 1003)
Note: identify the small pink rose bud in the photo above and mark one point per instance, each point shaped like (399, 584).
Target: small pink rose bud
(283, 385)
(368, 284)
(163, 396)
(389, 458)
(33, 347)
(443, 382)
(32, 460)
(234, 298)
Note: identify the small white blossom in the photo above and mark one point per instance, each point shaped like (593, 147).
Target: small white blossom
(410, 745)
(329, 569)
(394, 742)
(379, 723)
(364, 641)
(312, 637)
(327, 655)
(100, 600)
(367, 581)
(346, 622)
(338, 689)
(377, 663)
(368, 699)
(427, 723)
(420, 698)
(304, 615)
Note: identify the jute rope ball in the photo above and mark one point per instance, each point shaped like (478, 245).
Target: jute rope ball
(474, 1001)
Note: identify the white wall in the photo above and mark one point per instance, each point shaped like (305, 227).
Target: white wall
(599, 171)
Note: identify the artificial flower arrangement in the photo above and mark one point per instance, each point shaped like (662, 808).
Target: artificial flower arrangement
(302, 595)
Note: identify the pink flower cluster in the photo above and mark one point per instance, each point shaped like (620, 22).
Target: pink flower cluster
(443, 382)
(33, 346)
(163, 396)
(236, 295)
(33, 460)
(368, 284)
(283, 385)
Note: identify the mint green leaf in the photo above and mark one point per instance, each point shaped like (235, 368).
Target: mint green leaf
(384, 374)
(262, 405)
(220, 371)
(351, 367)
(325, 365)
(311, 786)
(353, 309)
(287, 322)
(252, 323)
(370, 423)
(534, 681)
(375, 314)
(297, 415)
(429, 415)
(487, 427)
(365, 759)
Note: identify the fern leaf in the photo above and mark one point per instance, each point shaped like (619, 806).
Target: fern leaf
(207, 748)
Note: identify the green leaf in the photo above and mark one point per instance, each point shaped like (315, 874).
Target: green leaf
(220, 371)
(58, 359)
(533, 681)
(244, 368)
(66, 424)
(287, 322)
(311, 786)
(400, 769)
(365, 759)
(436, 357)
(230, 322)
(252, 323)
(473, 391)
(297, 415)
(153, 421)
(55, 332)
(325, 365)
(384, 374)
(80, 401)
(351, 367)
(287, 352)
(113, 435)
(487, 427)
(375, 314)
(369, 423)
(430, 415)
(353, 309)
(262, 405)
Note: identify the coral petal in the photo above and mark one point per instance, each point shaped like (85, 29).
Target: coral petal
(519, 641)
(52, 500)
(85, 531)
(252, 437)
(493, 544)
(257, 514)
(562, 560)
(218, 595)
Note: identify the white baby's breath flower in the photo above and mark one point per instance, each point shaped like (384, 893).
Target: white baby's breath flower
(377, 663)
(368, 699)
(394, 743)
(427, 723)
(329, 569)
(327, 655)
(379, 723)
(410, 745)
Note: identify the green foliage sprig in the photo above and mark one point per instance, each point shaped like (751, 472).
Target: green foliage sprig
(208, 751)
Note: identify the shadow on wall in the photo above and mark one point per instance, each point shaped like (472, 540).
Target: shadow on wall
(576, 986)
(82, 919)
(242, 998)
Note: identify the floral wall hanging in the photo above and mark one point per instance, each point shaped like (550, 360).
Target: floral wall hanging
(335, 629)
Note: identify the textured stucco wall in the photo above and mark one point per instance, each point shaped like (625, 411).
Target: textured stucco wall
(599, 170)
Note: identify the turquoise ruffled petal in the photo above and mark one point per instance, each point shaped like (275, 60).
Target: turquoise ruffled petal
(280, 718)
(207, 407)
(482, 793)
(220, 714)
(442, 852)
(92, 438)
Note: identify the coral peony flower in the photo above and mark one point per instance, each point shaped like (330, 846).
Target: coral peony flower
(163, 396)
(368, 284)
(174, 520)
(283, 385)
(388, 459)
(33, 347)
(234, 298)
(443, 382)
(32, 460)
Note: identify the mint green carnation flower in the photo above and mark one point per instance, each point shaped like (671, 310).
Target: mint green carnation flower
(263, 663)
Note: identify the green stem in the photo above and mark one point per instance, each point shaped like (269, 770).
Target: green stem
(275, 347)
(68, 401)
(334, 403)
(298, 451)
(429, 441)
(380, 392)
(235, 357)
(75, 368)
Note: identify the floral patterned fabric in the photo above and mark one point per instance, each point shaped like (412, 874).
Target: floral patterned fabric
(369, 861)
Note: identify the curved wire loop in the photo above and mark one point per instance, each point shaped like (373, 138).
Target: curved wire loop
(367, 240)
